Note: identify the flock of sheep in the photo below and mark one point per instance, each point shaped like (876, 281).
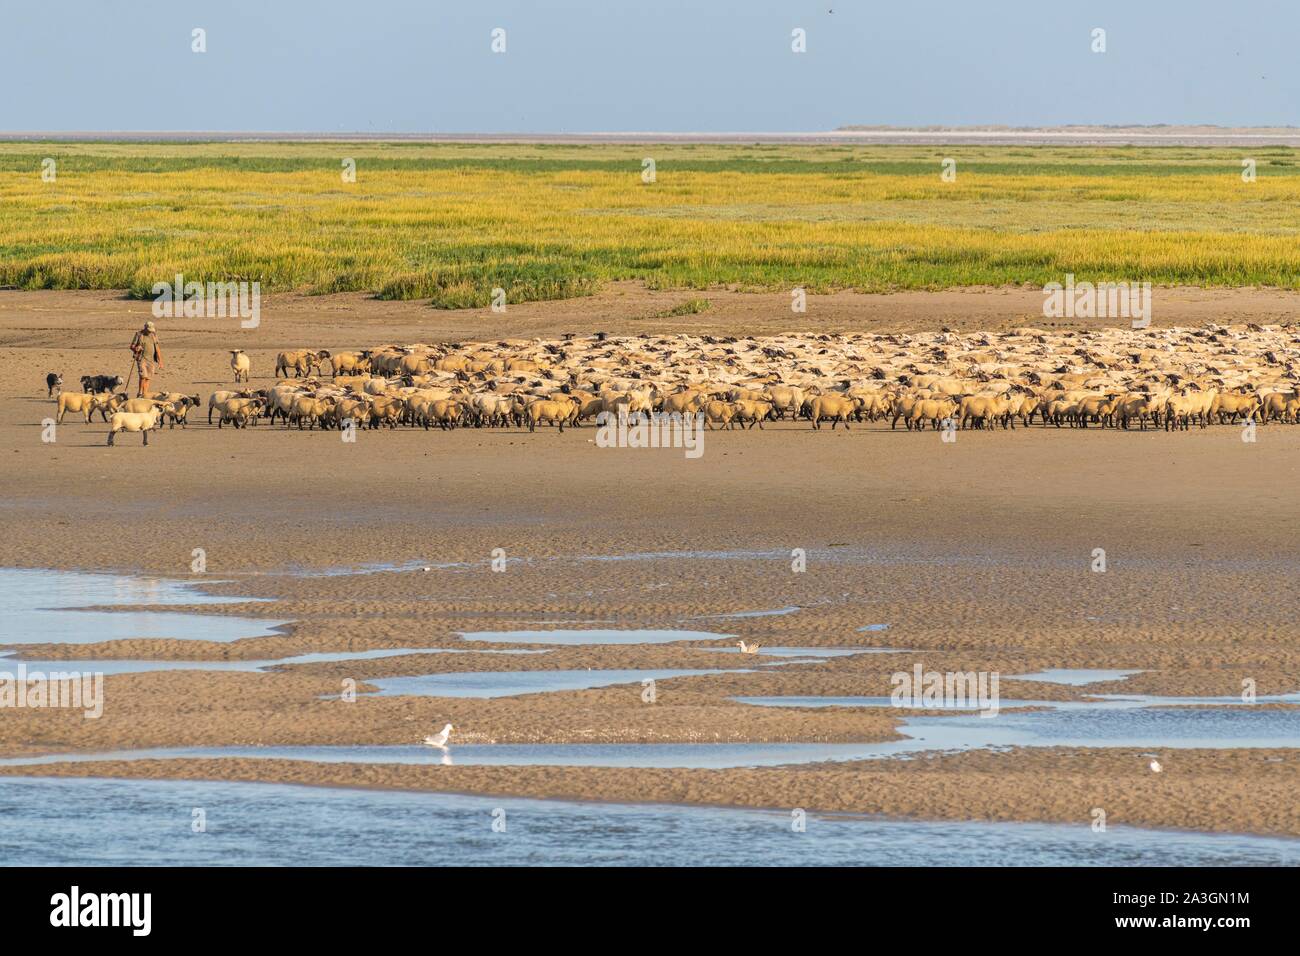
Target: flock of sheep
(1123, 378)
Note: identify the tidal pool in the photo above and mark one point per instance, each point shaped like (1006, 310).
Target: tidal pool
(577, 637)
(1075, 676)
(46, 607)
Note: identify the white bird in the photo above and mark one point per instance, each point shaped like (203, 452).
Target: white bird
(1155, 766)
(748, 648)
(439, 739)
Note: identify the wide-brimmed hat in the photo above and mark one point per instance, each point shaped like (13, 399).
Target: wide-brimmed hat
(148, 327)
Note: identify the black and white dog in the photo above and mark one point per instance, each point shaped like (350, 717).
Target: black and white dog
(53, 381)
(94, 384)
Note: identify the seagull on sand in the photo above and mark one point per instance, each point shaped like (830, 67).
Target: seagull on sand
(439, 739)
(748, 648)
(1155, 766)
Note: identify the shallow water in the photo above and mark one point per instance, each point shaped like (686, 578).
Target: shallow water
(774, 612)
(41, 607)
(809, 652)
(514, 683)
(149, 823)
(1075, 676)
(9, 664)
(702, 755)
(575, 637)
(1113, 721)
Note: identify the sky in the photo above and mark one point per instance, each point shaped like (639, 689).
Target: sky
(427, 66)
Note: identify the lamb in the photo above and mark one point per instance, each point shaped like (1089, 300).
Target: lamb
(240, 363)
(143, 422)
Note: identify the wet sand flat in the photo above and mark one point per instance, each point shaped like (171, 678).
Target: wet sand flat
(977, 556)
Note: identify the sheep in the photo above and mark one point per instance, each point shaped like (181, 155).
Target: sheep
(240, 364)
(1095, 409)
(933, 410)
(143, 422)
(1110, 377)
(1187, 406)
(309, 409)
(1138, 406)
(386, 410)
(683, 403)
(552, 412)
(1227, 406)
(238, 411)
(980, 410)
(719, 413)
(754, 412)
(140, 405)
(443, 412)
(838, 408)
(784, 399)
(179, 411)
(303, 362)
(217, 398)
(80, 402)
(1275, 405)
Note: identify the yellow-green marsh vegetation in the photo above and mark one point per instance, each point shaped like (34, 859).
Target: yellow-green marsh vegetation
(449, 222)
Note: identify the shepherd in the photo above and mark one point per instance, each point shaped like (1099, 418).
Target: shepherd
(148, 356)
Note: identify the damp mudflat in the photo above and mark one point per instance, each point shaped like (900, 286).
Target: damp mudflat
(8, 664)
(63, 607)
(71, 822)
(1074, 724)
(515, 683)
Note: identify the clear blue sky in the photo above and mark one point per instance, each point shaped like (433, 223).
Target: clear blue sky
(661, 65)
